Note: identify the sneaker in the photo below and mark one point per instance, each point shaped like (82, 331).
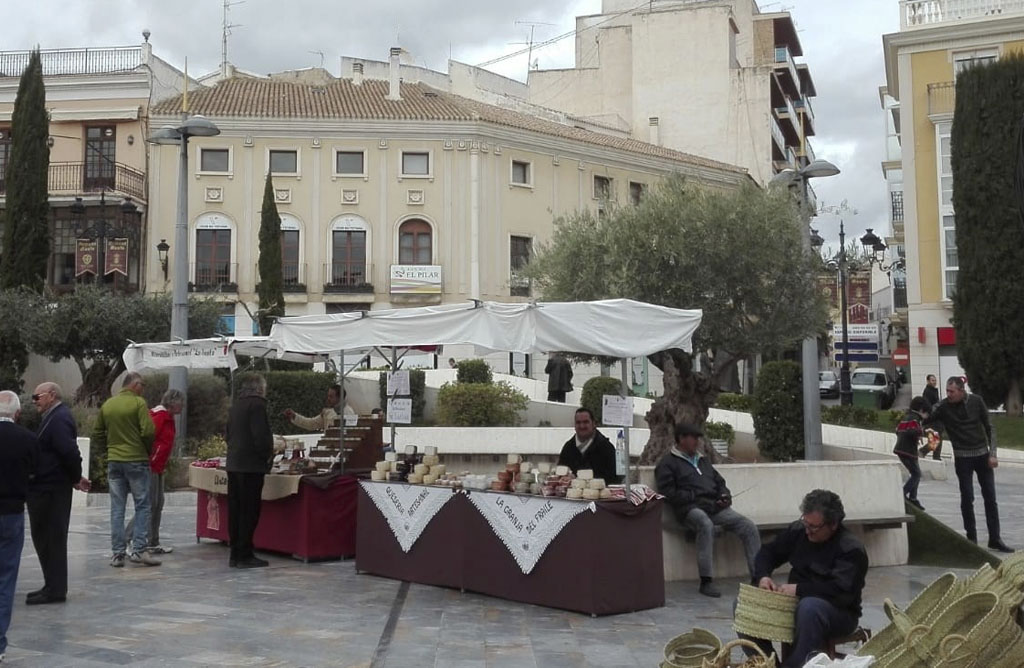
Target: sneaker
(117, 561)
(160, 549)
(144, 558)
(709, 589)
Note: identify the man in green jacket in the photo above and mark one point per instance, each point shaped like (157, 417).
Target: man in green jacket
(125, 430)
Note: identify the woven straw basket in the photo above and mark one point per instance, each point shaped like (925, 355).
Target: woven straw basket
(765, 614)
(690, 649)
(724, 657)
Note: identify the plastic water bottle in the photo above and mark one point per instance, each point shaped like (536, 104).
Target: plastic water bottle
(620, 454)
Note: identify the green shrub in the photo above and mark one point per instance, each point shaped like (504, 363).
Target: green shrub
(206, 448)
(206, 404)
(744, 403)
(302, 391)
(887, 420)
(719, 431)
(480, 405)
(778, 411)
(417, 385)
(850, 416)
(474, 371)
(594, 389)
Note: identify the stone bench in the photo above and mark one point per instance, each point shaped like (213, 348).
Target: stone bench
(770, 495)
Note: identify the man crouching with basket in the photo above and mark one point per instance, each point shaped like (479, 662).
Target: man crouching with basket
(829, 565)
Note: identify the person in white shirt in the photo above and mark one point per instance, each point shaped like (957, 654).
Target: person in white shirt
(327, 417)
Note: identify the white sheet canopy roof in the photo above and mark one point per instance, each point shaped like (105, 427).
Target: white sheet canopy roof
(612, 328)
(212, 353)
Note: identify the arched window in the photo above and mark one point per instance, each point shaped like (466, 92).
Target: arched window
(414, 242)
(348, 251)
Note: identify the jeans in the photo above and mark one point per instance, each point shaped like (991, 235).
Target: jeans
(123, 477)
(156, 510)
(817, 620)
(12, 539)
(914, 468)
(966, 468)
(704, 526)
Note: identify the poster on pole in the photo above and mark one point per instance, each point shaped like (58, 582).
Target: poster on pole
(617, 411)
(398, 383)
(400, 411)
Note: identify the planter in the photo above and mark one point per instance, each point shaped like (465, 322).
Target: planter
(177, 472)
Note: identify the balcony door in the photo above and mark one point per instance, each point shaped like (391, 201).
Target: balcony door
(100, 147)
(348, 258)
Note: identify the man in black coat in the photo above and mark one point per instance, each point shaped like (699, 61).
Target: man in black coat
(59, 471)
(250, 454)
(829, 565)
(698, 496)
(18, 450)
(589, 449)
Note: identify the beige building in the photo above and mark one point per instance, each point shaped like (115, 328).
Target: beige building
(390, 192)
(937, 39)
(98, 100)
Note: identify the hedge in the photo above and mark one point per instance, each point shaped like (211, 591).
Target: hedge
(474, 371)
(744, 403)
(302, 391)
(778, 411)
(480, 405)
(593, 391)
(206, 404)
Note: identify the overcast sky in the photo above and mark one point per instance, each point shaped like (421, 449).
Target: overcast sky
(841, 39)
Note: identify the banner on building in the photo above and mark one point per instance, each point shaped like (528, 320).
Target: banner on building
(85, 257)
(417, 279)
(116, 258)
(858, 297)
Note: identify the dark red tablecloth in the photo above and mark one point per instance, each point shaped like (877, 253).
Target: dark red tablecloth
(315, 523)
(601, 563)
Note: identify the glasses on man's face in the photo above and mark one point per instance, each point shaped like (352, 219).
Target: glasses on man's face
(811, 528)
(37, 397)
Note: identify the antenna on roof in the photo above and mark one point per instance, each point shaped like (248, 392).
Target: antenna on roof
(529, 52)
(321, 54)
(225, 31)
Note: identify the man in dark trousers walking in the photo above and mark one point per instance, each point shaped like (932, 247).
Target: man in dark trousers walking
(964, 419)
(58, 472)
(18, 451)
(250, 453)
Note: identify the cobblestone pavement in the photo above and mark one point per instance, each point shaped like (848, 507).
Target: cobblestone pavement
(195, 611)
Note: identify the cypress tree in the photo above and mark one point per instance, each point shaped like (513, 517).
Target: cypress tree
(26, 240)
(271, 287)
(987, 306)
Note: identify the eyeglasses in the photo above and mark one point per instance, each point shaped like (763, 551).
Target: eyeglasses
(811, 528)
(37, 397)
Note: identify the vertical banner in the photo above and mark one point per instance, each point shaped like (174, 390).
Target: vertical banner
(116, 259)
(85, 257)
(858, 297)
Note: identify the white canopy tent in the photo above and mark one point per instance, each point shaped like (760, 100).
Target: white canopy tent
(612, 328)
(211, 353)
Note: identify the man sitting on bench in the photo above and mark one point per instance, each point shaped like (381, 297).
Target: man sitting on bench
(829, 565)
(697, 494)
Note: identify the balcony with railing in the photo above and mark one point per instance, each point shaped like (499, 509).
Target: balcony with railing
(789, 122)
(941, 98)
(915, 14)
(347, 278)
(55, 62)
(803, 107)
(214, 277)
(778, 137)
(293, 277)
(76, 178)
(785, 67)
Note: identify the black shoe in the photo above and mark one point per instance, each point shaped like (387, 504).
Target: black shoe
(45, 598)
(36, 593)
(252, 562)
(999, 546)
(973, 539)
(915, 503)
(232, 563)
(709, 589)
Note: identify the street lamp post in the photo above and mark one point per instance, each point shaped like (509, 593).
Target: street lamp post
(845, 393)
(809, 347)
(193, 126)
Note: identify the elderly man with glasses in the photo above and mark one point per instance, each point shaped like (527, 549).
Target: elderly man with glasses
(59, 470)
(829, 565)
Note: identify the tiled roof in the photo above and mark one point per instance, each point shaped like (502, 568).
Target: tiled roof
(244, 97)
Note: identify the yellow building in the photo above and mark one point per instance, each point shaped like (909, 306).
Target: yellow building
(391, 193)
(98, 100)
(937, 39)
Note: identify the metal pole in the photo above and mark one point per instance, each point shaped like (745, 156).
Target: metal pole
(341, 413)
(625, 432)
(845, 393)
(178, 376)
(394, 363)
(809, 364)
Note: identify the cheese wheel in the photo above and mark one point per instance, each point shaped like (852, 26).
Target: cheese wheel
(578, 484)
(544, 467)
(525, 465)
(437, 469)
(377, 475)
(574, 494)
(390, 456)
(431, 460)
(429, 479)
(596, 483)
(604, 493)
(382, 467)
(415, 478)
(585, 474)
(561, 470)
(430, 450)
(592, 494)
(410, 450)
(514, 459)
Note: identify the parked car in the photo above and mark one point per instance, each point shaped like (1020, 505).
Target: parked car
(875, 379)
(828, 384)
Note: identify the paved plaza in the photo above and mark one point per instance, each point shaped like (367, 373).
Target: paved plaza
(195, 611)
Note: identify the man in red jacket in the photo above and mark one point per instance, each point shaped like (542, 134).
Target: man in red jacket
(171, 404)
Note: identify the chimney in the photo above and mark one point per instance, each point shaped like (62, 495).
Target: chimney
(357, 74)
(654, 138)
(394, 91)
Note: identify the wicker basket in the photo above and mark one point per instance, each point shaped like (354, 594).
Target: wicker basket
(761, 613)
(965, 631)
(933, 599)
(724, 657)
(690, 649)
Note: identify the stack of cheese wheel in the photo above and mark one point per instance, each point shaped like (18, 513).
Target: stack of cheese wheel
(586, 477)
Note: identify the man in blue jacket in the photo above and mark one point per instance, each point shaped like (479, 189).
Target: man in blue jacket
(18, 448)
(59, 470)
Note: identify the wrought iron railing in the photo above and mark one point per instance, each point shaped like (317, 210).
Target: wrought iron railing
(74, 61)
(66, 178)
(346, 277)
(214, 277)
(293, 275)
